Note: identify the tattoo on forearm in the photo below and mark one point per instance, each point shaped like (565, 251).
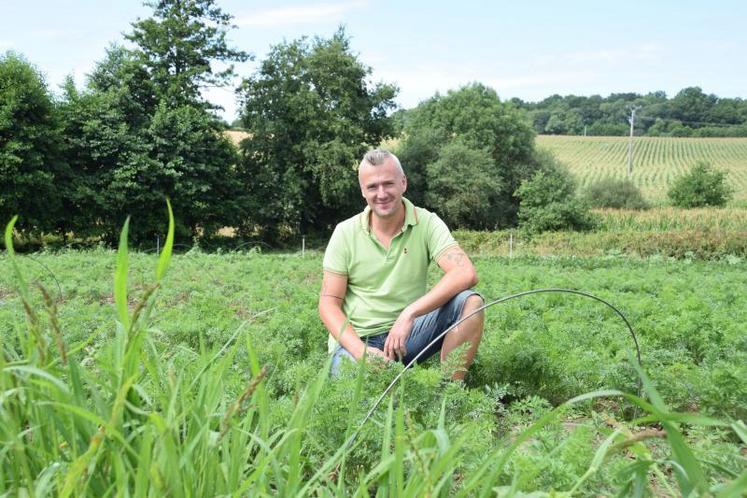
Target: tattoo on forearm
(456, 256)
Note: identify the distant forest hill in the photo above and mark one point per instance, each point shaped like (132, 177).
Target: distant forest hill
(690, 113)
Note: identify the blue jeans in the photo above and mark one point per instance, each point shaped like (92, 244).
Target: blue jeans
(425, 329)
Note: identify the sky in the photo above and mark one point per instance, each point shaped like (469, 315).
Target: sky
(529, 50)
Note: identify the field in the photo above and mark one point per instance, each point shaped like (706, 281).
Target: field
(221, 389)
(656, 160)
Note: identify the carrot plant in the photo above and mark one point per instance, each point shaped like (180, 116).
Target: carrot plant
(213, 381)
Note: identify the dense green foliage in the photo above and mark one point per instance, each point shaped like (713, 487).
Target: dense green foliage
(548, 201)
(702, 186)
(31, 164)
(616, 193)
(312, 115)
(219, 386)
(139, 132)
(468, 129)
(690, 113)
(463, 186)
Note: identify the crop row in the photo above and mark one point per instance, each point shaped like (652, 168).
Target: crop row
(657, 161)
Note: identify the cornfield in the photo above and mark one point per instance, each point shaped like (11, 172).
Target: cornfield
(657, 161)
(667, 218)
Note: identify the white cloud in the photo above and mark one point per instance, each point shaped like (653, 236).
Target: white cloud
(300, 14)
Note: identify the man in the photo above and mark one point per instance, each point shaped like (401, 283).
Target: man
(373, 299)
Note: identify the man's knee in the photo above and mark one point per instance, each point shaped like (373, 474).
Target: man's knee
(471, 305)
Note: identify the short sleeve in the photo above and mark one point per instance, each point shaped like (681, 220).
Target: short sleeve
(439, 237)
(337, 256)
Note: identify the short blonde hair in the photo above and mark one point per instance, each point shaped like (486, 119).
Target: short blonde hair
(377, 157)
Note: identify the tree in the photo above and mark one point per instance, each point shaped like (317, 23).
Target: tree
(461, 182)
(104, 143)
(129, 150)
(564, 122)
(548, 200)
(701, 186)
(475, 118)
(692, 106)
(32, 173)
(196, 168)
(179, 44)
(312, 114)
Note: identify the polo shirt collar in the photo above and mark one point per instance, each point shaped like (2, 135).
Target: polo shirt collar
(411, 216)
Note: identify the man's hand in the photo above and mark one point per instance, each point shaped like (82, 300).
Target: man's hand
(394, 347)
(376, 355)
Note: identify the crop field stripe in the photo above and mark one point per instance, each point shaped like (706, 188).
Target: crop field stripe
(657, 161)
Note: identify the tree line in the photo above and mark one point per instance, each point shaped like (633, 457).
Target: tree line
(140, 131)
(690, 113)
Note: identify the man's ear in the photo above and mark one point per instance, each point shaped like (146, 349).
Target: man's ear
(404, 184)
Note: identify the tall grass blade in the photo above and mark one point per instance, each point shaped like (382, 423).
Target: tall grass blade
(165, 258)
(597, 461)
(399, 445)
(741, 429)
(692, 478)
(12, 253)
(735, 489)
(120, 278)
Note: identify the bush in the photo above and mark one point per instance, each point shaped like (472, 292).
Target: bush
(702, 186)
(463, 183)
(614, 193)
(547, 201)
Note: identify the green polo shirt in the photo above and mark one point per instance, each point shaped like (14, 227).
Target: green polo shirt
(382, 282)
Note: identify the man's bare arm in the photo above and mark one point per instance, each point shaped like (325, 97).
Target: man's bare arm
(331, 297)
(459, 274)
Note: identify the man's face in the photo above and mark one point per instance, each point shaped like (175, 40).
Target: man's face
(382, 186)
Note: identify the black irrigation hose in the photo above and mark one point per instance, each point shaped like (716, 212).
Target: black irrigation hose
(481, 308)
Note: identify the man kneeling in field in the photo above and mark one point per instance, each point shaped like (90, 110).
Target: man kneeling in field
(375, 270)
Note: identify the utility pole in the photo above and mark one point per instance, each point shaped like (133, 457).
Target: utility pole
(630, 140)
